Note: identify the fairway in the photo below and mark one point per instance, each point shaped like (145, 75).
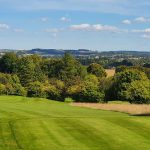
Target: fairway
(40, 124)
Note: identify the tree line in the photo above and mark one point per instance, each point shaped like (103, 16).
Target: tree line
(60, 78)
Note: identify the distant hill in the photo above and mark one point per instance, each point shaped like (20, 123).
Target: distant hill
(59, 52)
(78, 53)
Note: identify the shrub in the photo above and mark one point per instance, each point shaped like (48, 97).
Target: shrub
(68, 100)
(36, 89)
(93, 95)
(2, 89)
(9, 89)
(87, 90)
(19, 90)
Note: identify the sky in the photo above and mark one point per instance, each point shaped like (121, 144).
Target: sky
(75, 24)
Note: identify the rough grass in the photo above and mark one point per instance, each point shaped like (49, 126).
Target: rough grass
(110, 72)
(124, 107)
(39, 124)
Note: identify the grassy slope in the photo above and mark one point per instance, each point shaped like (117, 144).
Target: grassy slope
(34, 124)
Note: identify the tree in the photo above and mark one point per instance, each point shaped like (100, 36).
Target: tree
(70, 68)
(122, 81)
(121, 68)
(97, 70)
(8, 63)
(29, 69)
(36, 89)
(10, 85)
(147, 65)
(87, 90)
(138, 92)
(26, 70)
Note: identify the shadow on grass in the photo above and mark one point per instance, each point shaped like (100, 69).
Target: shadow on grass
(147, 115)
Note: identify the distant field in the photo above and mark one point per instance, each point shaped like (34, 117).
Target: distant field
(125, 107)
(40, 124)
(110, 72)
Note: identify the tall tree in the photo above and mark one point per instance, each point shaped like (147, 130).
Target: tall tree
(26, 70)
(8, 63)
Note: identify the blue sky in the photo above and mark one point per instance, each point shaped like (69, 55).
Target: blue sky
(72, 24)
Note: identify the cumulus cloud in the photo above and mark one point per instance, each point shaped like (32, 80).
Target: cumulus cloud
(95, 27)
(142, 19)
(126, 21)
(65, 19)
(144, 33)
(4, 27)
(83, 27)
(136, 20)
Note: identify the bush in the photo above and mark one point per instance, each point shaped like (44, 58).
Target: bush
(10, 85)
(36, 89)
(87, 90)
(2, 89)
(92, 95)
(19, 90)
(68, 100)
(53, 93)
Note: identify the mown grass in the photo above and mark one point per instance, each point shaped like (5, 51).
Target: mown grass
(39, 124)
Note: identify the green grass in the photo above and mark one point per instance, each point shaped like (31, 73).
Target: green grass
(39, 124)
(118, 102)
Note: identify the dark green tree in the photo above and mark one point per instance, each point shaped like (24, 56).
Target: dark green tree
(70, 68)
(8, 63)
(122, 81)
(97, 70)
(26, 70)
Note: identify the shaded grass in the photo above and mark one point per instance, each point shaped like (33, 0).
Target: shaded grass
(39, 124)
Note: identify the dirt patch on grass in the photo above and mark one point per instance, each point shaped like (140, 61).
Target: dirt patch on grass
(139, 110)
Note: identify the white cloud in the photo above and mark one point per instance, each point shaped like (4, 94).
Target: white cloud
(142, 20)
(83, 27)
(126, 21)
(44, 19)
(4, 27)
(65, 19)
(95, 27)
(145, 33)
